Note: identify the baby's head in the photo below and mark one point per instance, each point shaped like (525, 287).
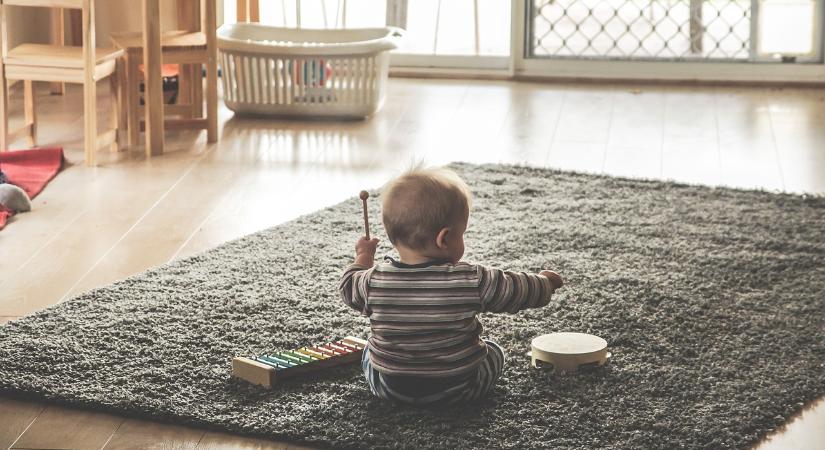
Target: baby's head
(425, 211)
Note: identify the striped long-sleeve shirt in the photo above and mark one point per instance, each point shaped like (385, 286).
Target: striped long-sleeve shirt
(423, 317)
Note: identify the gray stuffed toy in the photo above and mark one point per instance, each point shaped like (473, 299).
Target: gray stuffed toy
(14, 198)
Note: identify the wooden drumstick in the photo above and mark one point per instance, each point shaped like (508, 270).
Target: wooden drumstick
(364, 196)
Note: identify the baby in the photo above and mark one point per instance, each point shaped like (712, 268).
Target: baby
(426, 347)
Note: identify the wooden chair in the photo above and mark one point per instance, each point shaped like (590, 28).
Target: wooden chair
(84, 64)
(191, 50)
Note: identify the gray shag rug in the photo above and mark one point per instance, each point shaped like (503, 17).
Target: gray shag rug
(711, 300)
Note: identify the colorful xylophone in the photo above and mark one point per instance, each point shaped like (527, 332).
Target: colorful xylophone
(267, 370)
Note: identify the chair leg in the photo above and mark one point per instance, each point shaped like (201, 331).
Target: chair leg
(89, 84)
(197, 90)
(209, 25)
(58, 37)
(90, 122)
(4, 110)
(30, 107)
(212, 101)
(133, 99)
(122, 110)
(185, 81)
(114, 113)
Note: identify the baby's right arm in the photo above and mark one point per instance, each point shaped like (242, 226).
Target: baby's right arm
(353, 287)
(506, 291)
(355, 280)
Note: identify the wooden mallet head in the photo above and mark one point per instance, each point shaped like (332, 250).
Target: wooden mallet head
(364, 195)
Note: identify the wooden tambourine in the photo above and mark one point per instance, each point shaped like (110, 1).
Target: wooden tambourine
(568, 352)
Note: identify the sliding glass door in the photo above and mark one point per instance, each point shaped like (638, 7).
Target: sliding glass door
(747, 40)
(677, 30)
(469, 34)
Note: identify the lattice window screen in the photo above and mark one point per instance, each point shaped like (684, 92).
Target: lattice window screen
(642, 29)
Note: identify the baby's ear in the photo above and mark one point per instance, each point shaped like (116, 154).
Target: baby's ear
(441, 238)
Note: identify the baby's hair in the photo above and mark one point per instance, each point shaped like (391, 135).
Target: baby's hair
(422, 201)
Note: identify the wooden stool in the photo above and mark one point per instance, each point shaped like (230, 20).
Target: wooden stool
(55, 63)
(189, 49)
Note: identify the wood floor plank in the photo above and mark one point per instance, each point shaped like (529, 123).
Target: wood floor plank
(4, 319)
(59, 428)
(638, 118)
(49, 216)
(635, 162)
(801, 433)
(801, 155)
(578, 156)
(158, 234)
(16, 417)
(690, 113)
(586, 115)
(748, 164)
(256, 209)
(136, 434)
(691, 161)
(224, 441)
(64, 261)
(59, 125)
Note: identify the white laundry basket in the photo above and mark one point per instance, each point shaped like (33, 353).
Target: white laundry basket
(317, 73)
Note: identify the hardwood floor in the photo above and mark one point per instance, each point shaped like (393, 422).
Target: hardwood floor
(92, 226)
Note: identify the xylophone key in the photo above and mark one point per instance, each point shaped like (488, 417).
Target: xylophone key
(340, 349)
(349, 347)
(358, 345)
(279, 361)
(301, 356)
(337, 351)
(276, 366)
(324, 351)
(295, 361)
(311, 353)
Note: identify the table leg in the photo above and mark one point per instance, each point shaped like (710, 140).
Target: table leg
(58, 37)
(153, 95)
(210, 26)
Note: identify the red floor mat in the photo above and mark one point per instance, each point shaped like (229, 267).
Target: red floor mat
(31, 170)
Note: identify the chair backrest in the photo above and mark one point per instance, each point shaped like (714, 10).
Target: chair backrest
(189, 15)
(208, 19)
(85, 8)
(193, 14)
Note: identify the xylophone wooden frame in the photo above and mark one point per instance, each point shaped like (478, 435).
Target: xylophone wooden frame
(255, 371)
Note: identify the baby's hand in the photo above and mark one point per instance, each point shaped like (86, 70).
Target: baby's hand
(365, 250)
(554, 278)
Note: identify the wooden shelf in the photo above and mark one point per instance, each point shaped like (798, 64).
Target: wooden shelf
(44, 55)
(169, 40)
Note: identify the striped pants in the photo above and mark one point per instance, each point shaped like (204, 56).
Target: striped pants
(475, 387)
